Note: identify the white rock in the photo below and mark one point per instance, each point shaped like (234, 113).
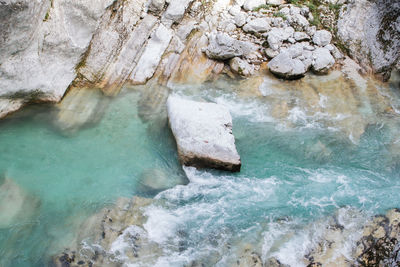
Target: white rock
(8, 106)
(285, 66)
(270, 53)
(40, 45)
(295, 50)
(240, 18)
(322, 60)
(275, 2)
(241, 67)
(185, 28)
(257, 25)
(298, 21)
(301, 36)
(203, 133)
(221, 46)
(363, 27)
(175, 11)
(277, 35)
(152, 54)
(156, 6)
(322, 38)
(250, 5)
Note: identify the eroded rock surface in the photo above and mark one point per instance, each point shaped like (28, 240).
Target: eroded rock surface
(370, 30)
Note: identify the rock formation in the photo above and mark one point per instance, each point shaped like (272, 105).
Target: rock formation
(49, 46)
(370, 31)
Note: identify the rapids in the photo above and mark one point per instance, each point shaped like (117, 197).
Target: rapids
(309, 148)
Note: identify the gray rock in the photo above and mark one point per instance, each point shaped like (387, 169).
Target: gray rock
(156, 6)
(257, 25)
(298, 21)
(241, 67)
(301, 36)
(322, 60)
(250, 5)
(370, 31)
(322, 38)
(40, 45)
(221, 46)
(113, 53)
(285, 66)
(175, 11)
(203, 133)
(277, 35)
(295, 50)
(151, 57)
(240, 18)
(270, 53)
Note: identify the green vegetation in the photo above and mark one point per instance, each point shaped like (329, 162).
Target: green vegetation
(46, 17)
(261, 7)
(280, 14)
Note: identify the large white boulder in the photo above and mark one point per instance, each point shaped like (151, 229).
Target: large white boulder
(322, 60)
(257, 25)
(203, 134)
(322, 38)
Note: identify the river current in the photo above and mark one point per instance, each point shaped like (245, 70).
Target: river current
(312, 148)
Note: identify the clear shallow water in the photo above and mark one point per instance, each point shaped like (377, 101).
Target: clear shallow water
(306, 150)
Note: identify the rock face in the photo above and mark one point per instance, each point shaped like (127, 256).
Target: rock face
(370, 30)
(203, 133)
(41, 42)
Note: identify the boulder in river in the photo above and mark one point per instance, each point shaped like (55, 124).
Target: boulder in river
(16, 205)
(203, 133)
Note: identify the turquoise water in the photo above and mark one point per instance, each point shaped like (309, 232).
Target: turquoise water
(296, 169)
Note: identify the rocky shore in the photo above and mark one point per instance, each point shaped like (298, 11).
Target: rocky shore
(117, 237)
(50, 47)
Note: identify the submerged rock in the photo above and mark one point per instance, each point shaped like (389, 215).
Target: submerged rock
(111, 238)
(79, 108)
(203, 133)
(156, 180)
(16, 205)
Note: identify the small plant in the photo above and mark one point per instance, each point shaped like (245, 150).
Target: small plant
(280, 14)
(264, 6)
(46, 17)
